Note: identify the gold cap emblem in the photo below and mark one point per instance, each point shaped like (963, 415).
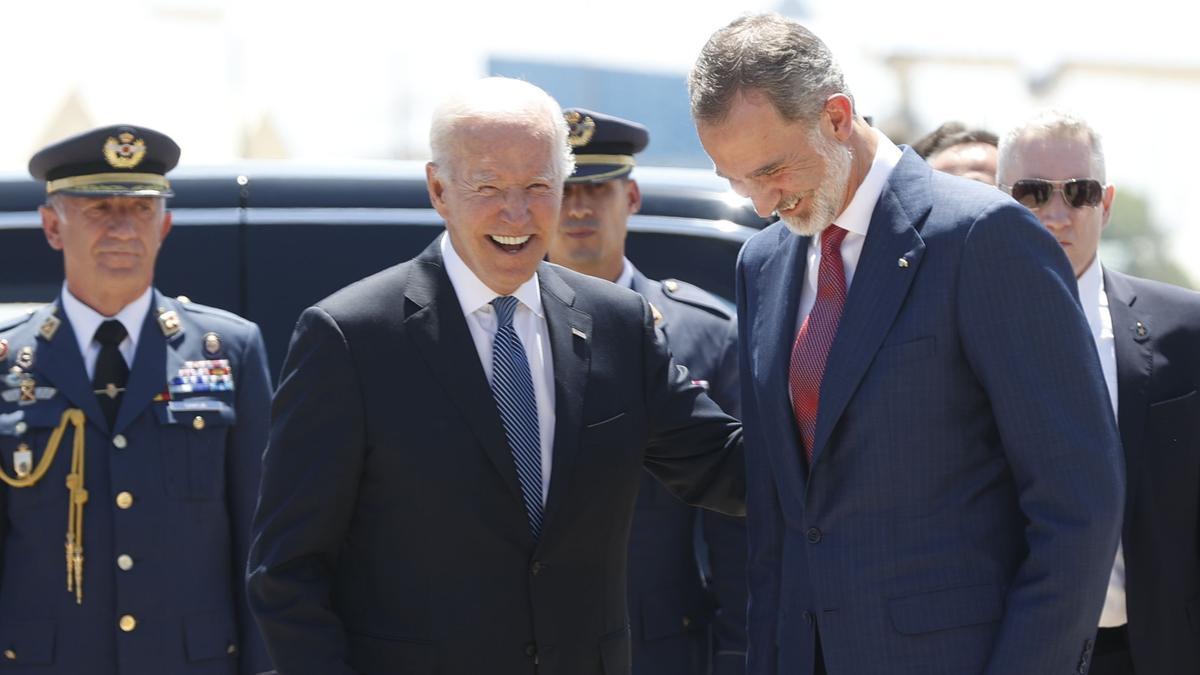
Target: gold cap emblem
(125, 151)
(579, 128)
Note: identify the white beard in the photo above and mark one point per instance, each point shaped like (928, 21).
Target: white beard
(826, 201)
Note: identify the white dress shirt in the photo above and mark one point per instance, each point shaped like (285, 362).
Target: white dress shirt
(625, 280)
(85, 320)
(530, 323)
(1095, 308)
(855, 220)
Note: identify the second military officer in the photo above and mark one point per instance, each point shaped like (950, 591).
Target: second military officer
(687, 588)
(131, 431)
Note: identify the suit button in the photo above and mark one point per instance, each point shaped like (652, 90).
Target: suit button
(119, 442)
(531, 649)
(231, 649)
(127, 623)
(10, 655)
(124, 500)
(808, 617)
(814, 535)
(125, 562)
(198, 423)
(687, 622)
(536, 568)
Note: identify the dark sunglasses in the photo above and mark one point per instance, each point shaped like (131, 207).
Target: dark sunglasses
(1033, 193)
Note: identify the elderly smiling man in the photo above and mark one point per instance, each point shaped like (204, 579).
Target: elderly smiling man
(458, 440)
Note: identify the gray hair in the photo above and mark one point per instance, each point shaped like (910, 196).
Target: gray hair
(771, 54)
(499, 98)
(1051, 124)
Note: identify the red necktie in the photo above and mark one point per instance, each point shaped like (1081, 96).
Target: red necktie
(807, 366)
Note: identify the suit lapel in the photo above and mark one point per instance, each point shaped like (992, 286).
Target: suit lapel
(148, 376)
(1135, 365)
(878, 290)
(780, 282)
(570, 347)
(440, 332)
(59, 360)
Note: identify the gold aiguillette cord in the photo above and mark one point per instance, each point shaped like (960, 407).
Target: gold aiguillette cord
(77, 494)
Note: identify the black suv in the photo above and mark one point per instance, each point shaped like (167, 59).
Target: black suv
(267, 239)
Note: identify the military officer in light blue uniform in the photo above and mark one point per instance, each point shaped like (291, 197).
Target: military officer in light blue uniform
(131, 431)
(687, 576)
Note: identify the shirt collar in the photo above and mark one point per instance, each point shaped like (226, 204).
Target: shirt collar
(626, 278)
(85, 320)
(857, 216)
(473, 293)
(1091, 294)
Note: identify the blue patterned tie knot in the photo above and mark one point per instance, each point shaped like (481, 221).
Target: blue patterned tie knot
(512, 388)
(505, 306)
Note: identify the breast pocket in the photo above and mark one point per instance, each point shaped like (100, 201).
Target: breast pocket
(194, 433)
(24, 440)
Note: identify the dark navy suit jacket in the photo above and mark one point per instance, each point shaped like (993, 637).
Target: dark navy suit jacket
(962, 510)
(1156, 330)
(391, 536)
(687, 566)
(187, 532)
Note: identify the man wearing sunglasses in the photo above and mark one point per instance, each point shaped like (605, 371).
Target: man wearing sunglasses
(1147, 335)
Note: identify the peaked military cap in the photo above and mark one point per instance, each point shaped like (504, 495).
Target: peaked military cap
(120, 160)
(604, 145)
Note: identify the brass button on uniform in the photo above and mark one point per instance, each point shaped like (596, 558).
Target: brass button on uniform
(231, 649)
(198, 423)
(127, 623)
(119, 442)
(125, 562)
(10, 655)
(20, 428)
(124, 500)
(687, 622)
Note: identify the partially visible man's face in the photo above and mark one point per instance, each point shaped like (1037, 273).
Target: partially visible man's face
(1053, 158)
(790, 168)
(976, 161)
(107, 242)
(500, 198)
(593, 224)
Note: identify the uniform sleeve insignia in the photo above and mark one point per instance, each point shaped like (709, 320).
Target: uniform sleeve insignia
(125, 151)
(49, 327)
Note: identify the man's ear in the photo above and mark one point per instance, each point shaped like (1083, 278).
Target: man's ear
(1110, 193)
(634, 194)
(51, 226)
(839, 110)
(436, 187)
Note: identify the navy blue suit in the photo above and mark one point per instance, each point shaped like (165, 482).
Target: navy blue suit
(1156, 331)
(962, 509)
(687, 566)
(176, 604)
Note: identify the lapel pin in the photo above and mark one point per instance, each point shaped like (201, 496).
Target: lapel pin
(3, 348)
(49, 327)
(902, 263)
(578, 333)
(168, 321)
(25, 358)
(1140, 330)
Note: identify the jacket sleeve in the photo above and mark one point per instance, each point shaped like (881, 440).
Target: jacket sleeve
(1027, 340)
(248, 440)
(694, 449)
(310, 476)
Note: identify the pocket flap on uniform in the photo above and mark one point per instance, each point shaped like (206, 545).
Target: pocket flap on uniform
(209, 635)
(948, 608)
(28, 641)
(213, 412)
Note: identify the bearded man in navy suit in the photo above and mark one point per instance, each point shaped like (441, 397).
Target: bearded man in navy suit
(932, 464)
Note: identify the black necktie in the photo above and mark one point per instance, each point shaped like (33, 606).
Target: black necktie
(111, 370)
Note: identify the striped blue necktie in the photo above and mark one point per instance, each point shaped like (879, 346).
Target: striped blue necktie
(512, 387)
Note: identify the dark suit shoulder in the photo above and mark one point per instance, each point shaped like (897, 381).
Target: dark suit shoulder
(688, 296)
(593, 292)
(1162, 294)
(371, 296)
(759, 247)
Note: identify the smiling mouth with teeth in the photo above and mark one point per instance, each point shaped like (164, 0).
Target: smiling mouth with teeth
(789, 204)
(510, 244)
